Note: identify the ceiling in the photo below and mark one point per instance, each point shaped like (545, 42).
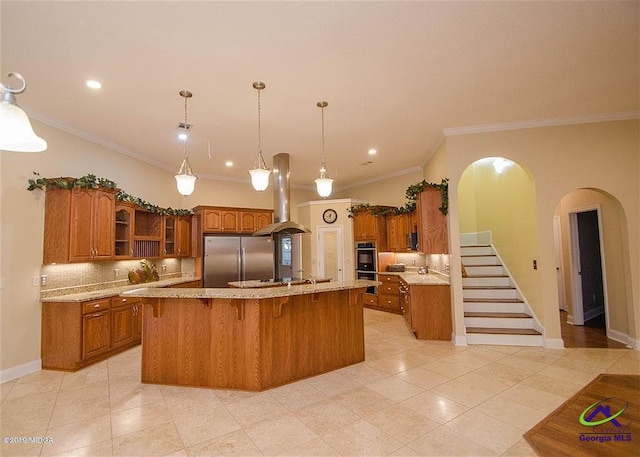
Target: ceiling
(395, 74)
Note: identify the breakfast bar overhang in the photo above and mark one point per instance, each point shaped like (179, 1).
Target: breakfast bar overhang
(250, 339)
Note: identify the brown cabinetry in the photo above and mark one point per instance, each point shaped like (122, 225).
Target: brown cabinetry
(177, 236)
(96, 330)
(232, 220)
(367, 227)
(388, 294)
(427, 310)
(147, 234)
(79, 225)
(124, 223)
(398, 228)
(126, 321)
(433, 235)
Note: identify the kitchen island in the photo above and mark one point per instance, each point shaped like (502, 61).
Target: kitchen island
(250, 339)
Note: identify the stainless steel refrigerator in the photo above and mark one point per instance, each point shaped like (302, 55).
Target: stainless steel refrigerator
(237, 258)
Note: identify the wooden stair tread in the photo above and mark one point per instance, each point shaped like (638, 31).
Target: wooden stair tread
(503, 331)
(493, 300)
(489, 287)
(487, 276)
(478, 255)
(485, 265)
(497, 315)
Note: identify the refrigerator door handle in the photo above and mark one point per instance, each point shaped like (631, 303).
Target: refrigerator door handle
(244, 260)
(239, 264)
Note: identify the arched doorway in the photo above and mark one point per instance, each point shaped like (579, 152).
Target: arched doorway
(501, 286)
(592, 258)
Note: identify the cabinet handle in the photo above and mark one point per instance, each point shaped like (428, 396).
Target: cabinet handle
(97, 314)
(124, 300)
(97, 305)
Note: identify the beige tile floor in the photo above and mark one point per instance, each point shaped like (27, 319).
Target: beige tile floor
(408, 398)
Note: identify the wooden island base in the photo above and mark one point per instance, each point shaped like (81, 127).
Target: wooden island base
(250, 344)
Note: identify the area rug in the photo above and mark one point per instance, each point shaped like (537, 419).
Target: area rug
(603, 419)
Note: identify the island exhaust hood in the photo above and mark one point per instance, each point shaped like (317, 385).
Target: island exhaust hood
(281, 191)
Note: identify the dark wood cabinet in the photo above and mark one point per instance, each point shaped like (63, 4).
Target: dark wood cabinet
(433, 235)
(232, 220)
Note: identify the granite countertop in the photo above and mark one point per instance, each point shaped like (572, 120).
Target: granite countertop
(251, 293)
(416, 279)
(259, 284)
(115, 291)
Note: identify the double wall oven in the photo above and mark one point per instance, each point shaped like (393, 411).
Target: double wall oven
(366, 258)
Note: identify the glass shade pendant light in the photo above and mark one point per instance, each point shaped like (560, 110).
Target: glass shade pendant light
(260, 174)
(16, 133)
(185, 179)
(324, 184)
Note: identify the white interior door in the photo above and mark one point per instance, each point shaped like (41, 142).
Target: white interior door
(331, 253)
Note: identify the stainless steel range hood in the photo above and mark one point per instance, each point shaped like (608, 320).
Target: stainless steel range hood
(281, 197)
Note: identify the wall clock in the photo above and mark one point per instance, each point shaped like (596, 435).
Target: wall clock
(329, 216)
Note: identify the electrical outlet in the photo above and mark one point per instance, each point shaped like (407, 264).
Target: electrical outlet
(35, 281)
(535, 264)
(116, 272)
(43, 279)
(164, 268)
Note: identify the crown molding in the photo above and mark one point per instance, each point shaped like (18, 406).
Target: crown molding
(432, 150)
(552, 122)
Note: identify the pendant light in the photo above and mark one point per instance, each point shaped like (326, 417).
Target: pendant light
(185, 179)
(323, 183)
(16, 133)
(260, 174)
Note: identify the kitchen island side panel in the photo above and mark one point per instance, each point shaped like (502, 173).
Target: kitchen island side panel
(250, 344)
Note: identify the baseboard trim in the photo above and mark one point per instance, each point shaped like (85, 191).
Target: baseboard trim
(633, 344)
(9, 374)
(460, 340)
(553, 343)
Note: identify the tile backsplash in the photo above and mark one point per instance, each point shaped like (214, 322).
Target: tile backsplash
(435, 262)
(108, 274)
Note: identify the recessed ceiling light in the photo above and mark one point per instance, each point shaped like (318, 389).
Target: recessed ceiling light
(93, 84)
(182, 136)
(229, 163)
(372, 152)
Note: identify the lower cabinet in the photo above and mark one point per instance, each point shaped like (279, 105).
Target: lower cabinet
(388, 293)
(427, 310)
(126, 321)
(96, 334)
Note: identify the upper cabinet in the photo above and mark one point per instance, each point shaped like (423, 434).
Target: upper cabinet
(398, 228)
(232, 220)
(367, 227)
(79, 225)
(432, 223)
(84, 225)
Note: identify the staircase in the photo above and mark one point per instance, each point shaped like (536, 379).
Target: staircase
(494, 312)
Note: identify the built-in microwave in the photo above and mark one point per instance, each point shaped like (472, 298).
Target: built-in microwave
(366, 256)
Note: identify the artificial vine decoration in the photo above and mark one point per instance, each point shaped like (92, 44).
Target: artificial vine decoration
(91, 182)
(412, 195)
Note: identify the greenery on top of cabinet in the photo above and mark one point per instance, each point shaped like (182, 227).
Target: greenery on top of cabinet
(412, 195)
(90, 181)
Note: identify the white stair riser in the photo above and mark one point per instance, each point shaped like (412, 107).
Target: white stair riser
(490, 293)
(499, 322)
(476, 250)
(501, 281)
(496, 307)
(481, 260)
(504, 340)
(484, 270)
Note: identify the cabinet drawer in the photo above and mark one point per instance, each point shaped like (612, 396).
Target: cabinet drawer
(369, 299)
(388, 278)
(94, 306)
(388, 289)
(389, 302)
(123, 301)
